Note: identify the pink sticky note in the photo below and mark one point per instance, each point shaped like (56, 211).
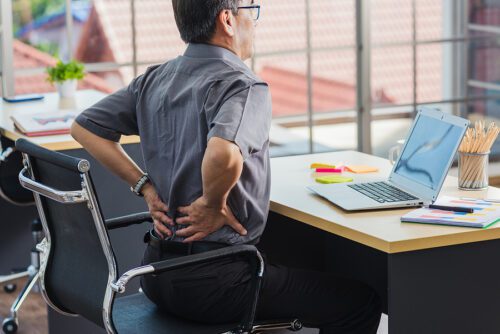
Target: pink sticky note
(329, 170)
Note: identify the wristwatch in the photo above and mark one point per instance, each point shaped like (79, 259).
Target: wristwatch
(136, 189)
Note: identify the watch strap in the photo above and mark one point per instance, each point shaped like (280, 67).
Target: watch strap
(136, 189)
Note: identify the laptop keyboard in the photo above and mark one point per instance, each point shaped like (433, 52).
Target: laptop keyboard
(382, 192)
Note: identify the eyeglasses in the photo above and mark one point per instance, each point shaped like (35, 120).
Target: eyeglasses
(255, 10)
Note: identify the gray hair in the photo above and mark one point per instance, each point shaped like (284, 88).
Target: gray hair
(196, 19)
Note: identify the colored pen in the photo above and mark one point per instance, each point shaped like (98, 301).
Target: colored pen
(451, 208)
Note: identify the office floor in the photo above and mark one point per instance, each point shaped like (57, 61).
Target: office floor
(33, 314)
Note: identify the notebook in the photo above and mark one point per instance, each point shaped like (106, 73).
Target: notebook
(43, 124)
(485, 213)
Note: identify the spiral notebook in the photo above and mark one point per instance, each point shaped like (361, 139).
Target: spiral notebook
(485, 213)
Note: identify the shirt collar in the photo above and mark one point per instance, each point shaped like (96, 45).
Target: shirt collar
(195, 50)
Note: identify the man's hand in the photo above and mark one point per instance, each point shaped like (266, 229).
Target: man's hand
(158, 211)
(204, 220)
(112, 155)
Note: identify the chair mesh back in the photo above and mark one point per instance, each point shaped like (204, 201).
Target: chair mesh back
(9, 185)
(77, 270)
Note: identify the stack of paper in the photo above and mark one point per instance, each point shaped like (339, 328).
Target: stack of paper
(485, 213)
(43, 124)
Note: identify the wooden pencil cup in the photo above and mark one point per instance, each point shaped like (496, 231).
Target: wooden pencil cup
(473, 171)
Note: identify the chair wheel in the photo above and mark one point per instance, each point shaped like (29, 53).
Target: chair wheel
(9, 326)
(296, 325)
(9, 288)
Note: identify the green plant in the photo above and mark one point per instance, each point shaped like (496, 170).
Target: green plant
(65, 71)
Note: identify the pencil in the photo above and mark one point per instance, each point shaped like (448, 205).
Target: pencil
(474, 150)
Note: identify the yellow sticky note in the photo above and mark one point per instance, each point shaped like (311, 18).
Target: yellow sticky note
(361, 169)
(333, 179)
(321, 165)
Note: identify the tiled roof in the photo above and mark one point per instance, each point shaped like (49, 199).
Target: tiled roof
(289, 93)
(26, 56)
(282, 27)
(109, 32)
(485, 13)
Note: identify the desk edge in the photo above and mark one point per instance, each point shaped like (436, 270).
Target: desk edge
(389, 247)
(64, 145)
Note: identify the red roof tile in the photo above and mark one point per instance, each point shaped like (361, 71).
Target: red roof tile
(289, 93)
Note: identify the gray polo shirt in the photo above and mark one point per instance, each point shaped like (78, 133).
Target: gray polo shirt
(176, 108)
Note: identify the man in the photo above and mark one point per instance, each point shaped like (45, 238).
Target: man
(204, 121)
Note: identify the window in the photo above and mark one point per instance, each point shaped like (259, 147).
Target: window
(305, 50)
(443, 53)
(483, 55)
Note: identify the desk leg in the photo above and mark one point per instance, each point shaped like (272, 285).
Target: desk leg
(446, 290)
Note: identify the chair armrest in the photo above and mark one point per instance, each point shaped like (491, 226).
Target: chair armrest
(185, 261)
(124, 221)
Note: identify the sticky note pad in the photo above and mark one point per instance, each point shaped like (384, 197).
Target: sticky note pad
(333, 179)
(321, 165)
(361, 169)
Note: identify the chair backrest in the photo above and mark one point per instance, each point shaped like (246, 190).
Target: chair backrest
(78, 263)
(10, 163)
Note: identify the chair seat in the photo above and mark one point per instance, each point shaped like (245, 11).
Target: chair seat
(137, 314)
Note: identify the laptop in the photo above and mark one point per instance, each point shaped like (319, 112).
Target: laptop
(417, 175)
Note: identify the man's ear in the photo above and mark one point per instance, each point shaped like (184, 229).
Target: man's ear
(226, 22)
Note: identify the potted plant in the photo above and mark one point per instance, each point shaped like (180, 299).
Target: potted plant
(65, 76)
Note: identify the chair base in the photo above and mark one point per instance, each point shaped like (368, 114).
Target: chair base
(12, 277)
(11, 323)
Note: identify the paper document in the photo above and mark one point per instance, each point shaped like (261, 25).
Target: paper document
(485, 213)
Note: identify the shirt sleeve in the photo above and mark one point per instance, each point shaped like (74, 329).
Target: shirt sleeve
(245, 119)
(113, 116)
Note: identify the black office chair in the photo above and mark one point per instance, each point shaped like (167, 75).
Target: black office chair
(12, 192)
(78, 272)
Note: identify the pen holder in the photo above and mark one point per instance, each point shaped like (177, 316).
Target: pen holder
(473, 171)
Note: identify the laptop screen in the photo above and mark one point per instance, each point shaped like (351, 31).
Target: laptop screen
(429, 149)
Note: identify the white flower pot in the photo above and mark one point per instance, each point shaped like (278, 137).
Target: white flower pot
(67, 89)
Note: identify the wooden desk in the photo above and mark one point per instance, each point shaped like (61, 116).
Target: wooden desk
(381, 230)
(433, 279)
(51, 103)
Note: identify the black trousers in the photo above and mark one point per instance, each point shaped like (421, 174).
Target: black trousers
(219, 292)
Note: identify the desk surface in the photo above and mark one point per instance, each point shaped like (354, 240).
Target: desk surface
(381, 229)
(51, 103)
